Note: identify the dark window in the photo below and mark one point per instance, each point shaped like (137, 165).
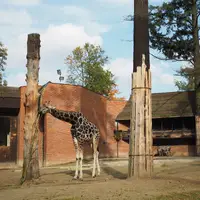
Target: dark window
(189, 123)
(4, 131)
(174, 141)
(177, 123)
(167, 124)
(156, 124)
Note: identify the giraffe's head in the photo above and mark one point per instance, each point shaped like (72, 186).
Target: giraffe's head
(46, 108)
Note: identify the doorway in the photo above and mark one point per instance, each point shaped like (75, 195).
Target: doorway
(8, 139)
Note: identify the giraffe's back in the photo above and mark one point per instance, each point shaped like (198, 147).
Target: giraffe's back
(86, 131)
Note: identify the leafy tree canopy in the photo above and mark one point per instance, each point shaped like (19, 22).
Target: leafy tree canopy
(188, 82)
(85, 68)
(171, 32)
(3, 58)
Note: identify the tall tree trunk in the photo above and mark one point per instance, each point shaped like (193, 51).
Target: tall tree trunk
(31, 157)
(197, 72)
(141, 33)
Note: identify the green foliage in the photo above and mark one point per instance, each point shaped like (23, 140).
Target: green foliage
(85, 68)
(118, 136)
(172, 33)
(3, 57)
(189, 82)
(3, 82)
(171, 29)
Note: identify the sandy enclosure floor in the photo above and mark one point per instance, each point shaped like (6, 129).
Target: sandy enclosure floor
(55, 183)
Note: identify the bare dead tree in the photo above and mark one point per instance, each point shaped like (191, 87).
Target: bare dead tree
(31, 157)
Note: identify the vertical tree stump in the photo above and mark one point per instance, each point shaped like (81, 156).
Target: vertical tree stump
(196, 73)
(140, 152)
(31, 157)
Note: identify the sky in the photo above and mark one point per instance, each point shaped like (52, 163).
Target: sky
(65, 24)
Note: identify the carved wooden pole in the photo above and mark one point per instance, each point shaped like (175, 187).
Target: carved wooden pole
(31, 157)
(140, 143)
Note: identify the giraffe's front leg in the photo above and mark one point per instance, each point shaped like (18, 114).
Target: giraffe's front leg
(77, 158)
(94, 165)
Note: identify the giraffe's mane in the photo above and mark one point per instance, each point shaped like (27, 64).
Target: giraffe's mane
(60, 110)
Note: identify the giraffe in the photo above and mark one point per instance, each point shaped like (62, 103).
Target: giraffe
(82, 131)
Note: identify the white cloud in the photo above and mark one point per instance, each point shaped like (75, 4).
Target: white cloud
(17, 79)
(159, 76)
(66, 36)
(15, 18)
(85, 18)
(121, 2)
(122, 68)
(22, 2)
(56, 43)
(76, 11)
(129, 2)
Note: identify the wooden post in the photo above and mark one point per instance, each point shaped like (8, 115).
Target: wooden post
(197, 122)
(31, 157)
(140, 151)
(131, 137)
(140, 142)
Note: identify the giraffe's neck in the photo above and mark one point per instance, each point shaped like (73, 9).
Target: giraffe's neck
(70, 117)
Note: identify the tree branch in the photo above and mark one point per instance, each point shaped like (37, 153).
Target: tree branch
(166, 59)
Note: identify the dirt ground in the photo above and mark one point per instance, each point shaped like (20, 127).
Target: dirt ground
(178, 180)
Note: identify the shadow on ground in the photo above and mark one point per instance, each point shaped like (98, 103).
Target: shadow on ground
(114, 172)
(106, 171)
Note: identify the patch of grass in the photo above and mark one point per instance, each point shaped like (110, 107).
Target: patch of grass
(164, 165)
(193, 195)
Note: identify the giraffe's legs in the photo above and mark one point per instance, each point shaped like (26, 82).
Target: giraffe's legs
(98, 166)
(77, 157)
(81, 162)
(94, 157)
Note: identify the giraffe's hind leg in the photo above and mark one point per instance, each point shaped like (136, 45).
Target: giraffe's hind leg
(97, 161)
(81, 162)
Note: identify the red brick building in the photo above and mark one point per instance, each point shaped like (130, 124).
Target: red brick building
(173, 123)
(55, 140)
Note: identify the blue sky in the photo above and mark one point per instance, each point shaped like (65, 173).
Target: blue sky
(65, 24)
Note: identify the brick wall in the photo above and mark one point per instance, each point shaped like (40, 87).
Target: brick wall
(113, 109)
(4, 154)
(58, 144)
